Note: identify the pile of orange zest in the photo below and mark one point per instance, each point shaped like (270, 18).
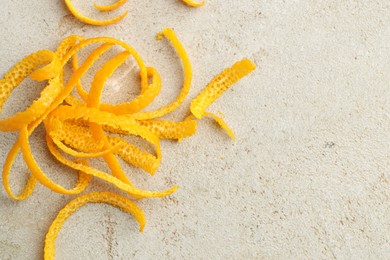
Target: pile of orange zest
(105, 8)
(122, 203)
(81, 129)
(193, 3)
(91, 21)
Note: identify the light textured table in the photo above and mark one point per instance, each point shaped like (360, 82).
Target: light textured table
(308, 176)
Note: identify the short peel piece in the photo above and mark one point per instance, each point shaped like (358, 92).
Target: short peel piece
(193, 3)
(105, 8)
(219, 85)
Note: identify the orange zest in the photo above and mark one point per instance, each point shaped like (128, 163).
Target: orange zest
(96, 197)
(193, 3)
(81, 129)
(219, 85)
(105, 8)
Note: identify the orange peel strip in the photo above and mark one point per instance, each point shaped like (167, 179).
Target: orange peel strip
(137, 157)
(91, 21)
(95, 53)
(66, 44)
(63, 47)
(219, 85)
(70, 151)
(166, 129)
(31, 183)
(171, 37)
(105, 40)
(37, 108)
(49, 71)
(94, 101)
(122, 203)
(133, 191)
(101, 77)
(193, 3)
(17, 74)
(82, 183)
(140, 102)
(105, 8)
(27, 191)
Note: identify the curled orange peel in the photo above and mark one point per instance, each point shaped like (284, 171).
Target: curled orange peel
(31, 183)
(41, 176)
(105, 8)
(94, 101)
(96, 54)
(166, 129)
(91, 21)
(15, 77)
(193, 3)
(118, 201)
(215, 89)
(108, 43)
(140, 102)
(148, 91)
(219, 85)
(170, 35)
(78, 154)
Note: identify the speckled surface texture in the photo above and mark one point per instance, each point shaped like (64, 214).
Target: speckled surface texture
(307, 178)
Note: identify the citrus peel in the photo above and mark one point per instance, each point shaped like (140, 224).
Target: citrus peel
(219, 85)
(83, 129)
(193, 3)
(219, 120)
(18, 73)
(118, 201)
(105, 8)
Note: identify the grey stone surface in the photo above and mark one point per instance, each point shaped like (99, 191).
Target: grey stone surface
(307, 178)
